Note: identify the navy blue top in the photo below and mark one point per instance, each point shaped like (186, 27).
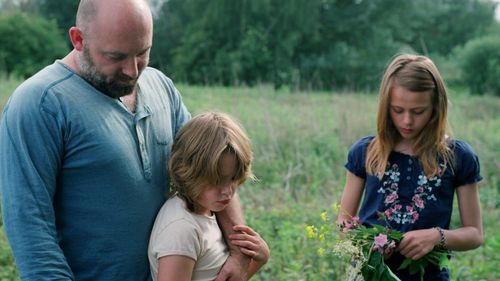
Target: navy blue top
(408, 198)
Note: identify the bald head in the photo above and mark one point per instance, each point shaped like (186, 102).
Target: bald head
(112, 41)
(93, 13)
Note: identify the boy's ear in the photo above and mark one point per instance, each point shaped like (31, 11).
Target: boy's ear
(76, 36)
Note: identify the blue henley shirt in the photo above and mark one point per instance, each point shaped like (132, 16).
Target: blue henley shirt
(82, 178)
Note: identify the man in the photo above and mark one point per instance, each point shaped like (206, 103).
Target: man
(84, 145)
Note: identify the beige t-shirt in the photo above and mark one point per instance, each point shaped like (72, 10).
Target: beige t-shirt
(177, 231)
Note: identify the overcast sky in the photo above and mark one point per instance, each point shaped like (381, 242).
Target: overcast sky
(497, 10)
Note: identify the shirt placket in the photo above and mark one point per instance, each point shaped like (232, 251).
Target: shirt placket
(141, 118)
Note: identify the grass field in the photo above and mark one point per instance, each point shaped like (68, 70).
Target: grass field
(300, 143)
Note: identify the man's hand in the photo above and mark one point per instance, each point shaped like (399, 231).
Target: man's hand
(250, 243)
(235, 268)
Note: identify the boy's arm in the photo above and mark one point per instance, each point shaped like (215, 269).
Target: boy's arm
(175, 268)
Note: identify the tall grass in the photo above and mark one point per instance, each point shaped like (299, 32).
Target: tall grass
(300, 142)
(7, 86)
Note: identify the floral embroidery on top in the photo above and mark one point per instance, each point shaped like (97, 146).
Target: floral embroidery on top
(409, 213)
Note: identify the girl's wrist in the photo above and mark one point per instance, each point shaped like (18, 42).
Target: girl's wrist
(441, 244)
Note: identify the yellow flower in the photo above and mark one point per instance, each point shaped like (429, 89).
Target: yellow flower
(324, 216)
(320, 252)
(322, 237)
(311, 231)
(335, 207)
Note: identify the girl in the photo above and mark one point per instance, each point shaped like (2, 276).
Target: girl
(211, 156)
(411, 169)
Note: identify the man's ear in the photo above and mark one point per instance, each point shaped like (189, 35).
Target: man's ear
(76, 36)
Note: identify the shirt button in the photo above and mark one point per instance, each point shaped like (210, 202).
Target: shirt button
(408, 177)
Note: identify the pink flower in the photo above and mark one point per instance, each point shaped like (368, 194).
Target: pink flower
(388, 213)
(382, 244)
(351, 224)
(391, 198)
(380, 240)
(414, 217)
(418, 201)
(420, 189)
(348, 225)
(390, 247)
(356, 220)
(397, 207)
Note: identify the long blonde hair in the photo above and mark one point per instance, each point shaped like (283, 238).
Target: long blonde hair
(417, 74)
(197, 152)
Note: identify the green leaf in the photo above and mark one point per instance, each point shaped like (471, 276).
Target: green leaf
(368, 272)
(437, 257)
(380, 269)
(444, 261)
(379, 228)
(389, 275)
(415, 267)
(405, 263)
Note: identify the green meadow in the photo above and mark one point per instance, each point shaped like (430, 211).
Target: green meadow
(300, 142)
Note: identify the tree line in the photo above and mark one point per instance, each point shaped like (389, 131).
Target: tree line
(300, 44)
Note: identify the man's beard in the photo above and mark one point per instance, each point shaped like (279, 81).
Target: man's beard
(118, 87)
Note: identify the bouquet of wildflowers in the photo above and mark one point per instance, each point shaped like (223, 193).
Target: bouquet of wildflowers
(366, 248)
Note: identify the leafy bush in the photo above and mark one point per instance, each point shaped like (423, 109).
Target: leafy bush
(480, 64)
(316, 44)
(28, 43)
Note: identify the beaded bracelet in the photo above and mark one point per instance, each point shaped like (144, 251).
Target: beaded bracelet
(442, 239)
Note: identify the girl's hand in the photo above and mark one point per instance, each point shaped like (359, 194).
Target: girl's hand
(417, 243)
(250, 243)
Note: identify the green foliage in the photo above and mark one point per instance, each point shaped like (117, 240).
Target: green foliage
(293, 257)
(300, 142)
(7, 266)
(63, 12)
(480, 64)
(8, 86)
(316, 44)
(28, 43)
(364, 247)
(430, 30)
